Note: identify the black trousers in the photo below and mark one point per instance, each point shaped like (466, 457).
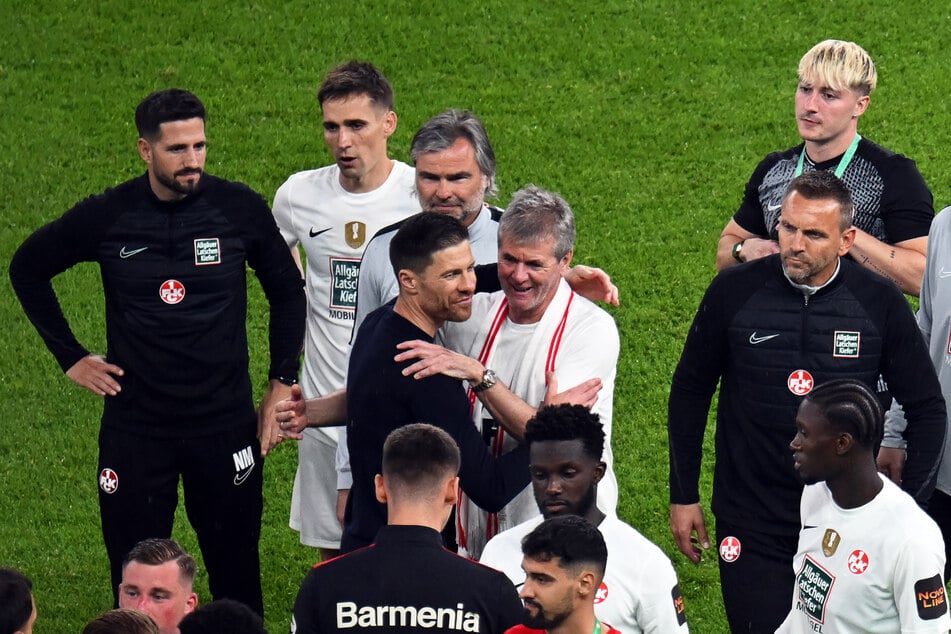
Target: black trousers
(757, 584)
(222, 483)
(939, 508)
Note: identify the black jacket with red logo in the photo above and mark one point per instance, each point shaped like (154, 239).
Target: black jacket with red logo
(174, 279)
(767, 344)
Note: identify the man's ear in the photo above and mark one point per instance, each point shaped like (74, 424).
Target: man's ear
(566, 261)
(848, 239)
(451, 491)
(408, 280)
(145, 150)
(587, 583)
(389, 123)
(844, 443)
(599, 470)
(380, 488)
(191, 603)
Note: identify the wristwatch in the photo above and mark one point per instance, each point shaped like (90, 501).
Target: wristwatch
(736, 250)
(488, 380)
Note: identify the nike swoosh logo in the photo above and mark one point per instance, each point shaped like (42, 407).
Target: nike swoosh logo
(943, 274)
(755, 340)
(241, 477)
(314, 234)
(123, 253)
(772, 208)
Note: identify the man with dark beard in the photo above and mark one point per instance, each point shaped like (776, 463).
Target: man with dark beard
(564, 561)
(173, 247)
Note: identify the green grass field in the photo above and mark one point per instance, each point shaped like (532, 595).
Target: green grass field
(647, 116)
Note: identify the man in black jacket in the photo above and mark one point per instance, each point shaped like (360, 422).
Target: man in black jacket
(769, 331)
(173, 246)
(407, 581)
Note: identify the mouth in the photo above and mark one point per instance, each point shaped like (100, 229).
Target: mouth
(554, 507)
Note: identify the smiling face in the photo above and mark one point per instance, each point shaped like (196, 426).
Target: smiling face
(564, 478)
(445, 287)
(825, 116)
(159, 591)
(530, 275)
(356, 131)
(450, 181)
(176, 158)
(811, 239)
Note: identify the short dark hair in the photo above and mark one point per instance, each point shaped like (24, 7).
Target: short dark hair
(418, 457)
(567, 422)
(16, 600)
(571, 538)
(163, 106)
(356, 78)
(851, 406)
(223, 615)
(440, 132)
(156, 551)
(122, 621)
(824, 185)
(535, 214)
(422, 236)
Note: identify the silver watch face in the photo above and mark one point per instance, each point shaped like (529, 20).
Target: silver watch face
(489, 378)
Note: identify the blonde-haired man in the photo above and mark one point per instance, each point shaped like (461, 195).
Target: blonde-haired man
(893, 205)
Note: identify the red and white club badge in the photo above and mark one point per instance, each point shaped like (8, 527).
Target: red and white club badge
(858, 562)
(800, 382)
(108, 481)
(602, 594)
(172, 291)
(730, 549)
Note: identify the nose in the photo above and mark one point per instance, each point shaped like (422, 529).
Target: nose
(343, 137)
(797, 241)
(525, 591)
(519, 272)
(191, 157)
(443, 190)
(554, 486)
(468, 282)
(794, 443)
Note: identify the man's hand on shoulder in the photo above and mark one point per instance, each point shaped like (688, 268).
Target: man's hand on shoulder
(432, 359)
(95, 374)
(584, 394)
(592, 283)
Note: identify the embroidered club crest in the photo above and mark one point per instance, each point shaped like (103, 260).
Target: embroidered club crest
(108, 481)
(800, 382)
(730, 549)
(172, 291)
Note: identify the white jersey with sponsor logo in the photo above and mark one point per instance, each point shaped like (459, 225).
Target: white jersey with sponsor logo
(639, 592)
(875, 568)
(333, 226)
